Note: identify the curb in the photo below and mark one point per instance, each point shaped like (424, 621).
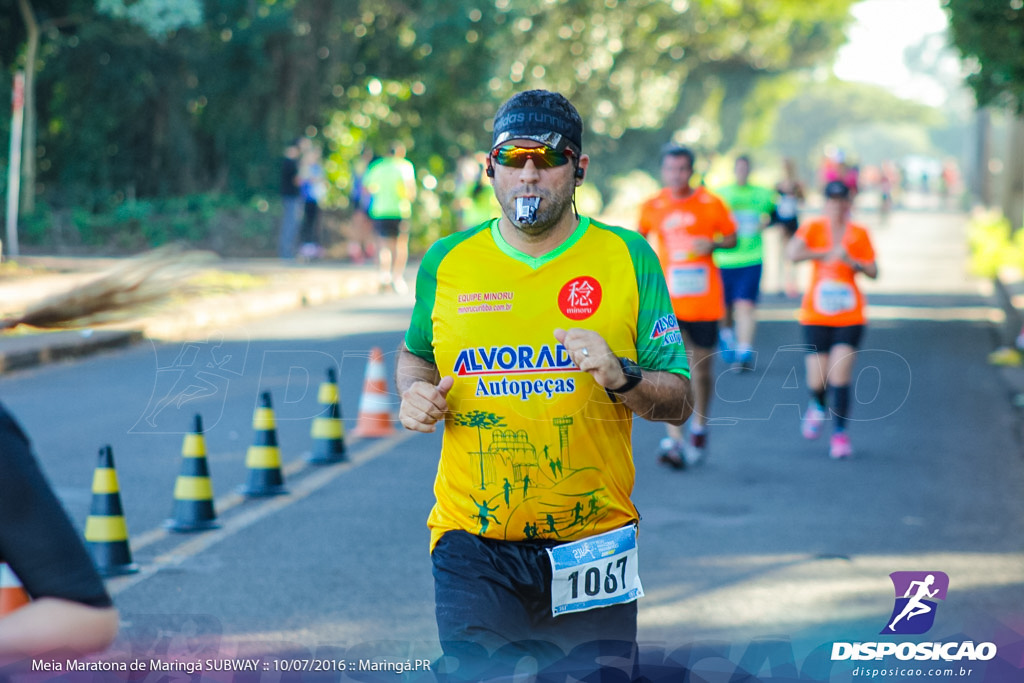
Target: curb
(1013, 318)
(204, 315)
(188, 319)
(1011, 377)
(64, 345)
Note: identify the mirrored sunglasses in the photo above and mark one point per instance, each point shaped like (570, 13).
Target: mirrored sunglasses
(516, 157)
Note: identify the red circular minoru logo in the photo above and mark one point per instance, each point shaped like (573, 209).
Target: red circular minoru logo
(580, 297)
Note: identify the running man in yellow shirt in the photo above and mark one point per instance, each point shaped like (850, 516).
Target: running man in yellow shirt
(535, 338)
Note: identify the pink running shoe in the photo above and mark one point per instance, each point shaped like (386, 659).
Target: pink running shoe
(840, 447)
(810, 425)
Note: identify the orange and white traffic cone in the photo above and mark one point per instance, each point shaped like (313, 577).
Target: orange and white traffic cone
(374, 418)
(12, 593)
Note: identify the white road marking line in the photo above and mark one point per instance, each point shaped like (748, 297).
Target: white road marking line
(319, 477)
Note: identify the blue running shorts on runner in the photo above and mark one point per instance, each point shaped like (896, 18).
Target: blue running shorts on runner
(743, 283)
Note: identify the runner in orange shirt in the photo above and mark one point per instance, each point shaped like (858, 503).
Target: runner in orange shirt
(685, 225)
(832, 312)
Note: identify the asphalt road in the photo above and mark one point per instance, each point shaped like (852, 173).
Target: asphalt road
(760, 559)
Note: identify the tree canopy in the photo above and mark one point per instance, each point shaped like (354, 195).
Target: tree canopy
(164, 98)
(804, 123)
(989, 35)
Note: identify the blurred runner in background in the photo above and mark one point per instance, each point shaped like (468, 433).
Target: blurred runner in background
(685, 225)
(789, 195)
(390, 187)
(832, 313)
(741, 266)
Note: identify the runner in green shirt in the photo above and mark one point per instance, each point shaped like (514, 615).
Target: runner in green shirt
(390, 187)
(741, 266)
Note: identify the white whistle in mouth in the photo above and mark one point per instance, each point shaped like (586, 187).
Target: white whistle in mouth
(526, 209)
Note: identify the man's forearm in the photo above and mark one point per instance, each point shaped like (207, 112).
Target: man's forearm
(660, 397)
(410, 369)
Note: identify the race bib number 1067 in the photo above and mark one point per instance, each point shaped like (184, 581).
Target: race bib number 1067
(595, 572)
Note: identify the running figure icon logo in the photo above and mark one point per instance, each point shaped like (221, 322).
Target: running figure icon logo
(916, 592)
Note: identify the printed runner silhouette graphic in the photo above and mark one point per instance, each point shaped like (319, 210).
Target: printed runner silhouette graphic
(484, 514)
(915, 606)
(916, 593)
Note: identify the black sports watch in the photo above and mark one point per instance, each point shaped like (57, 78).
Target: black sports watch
(633, 375)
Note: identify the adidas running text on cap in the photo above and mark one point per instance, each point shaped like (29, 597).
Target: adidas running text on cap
(542, 116)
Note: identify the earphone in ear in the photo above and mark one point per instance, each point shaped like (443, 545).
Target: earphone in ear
(580, 172)
(489, 170)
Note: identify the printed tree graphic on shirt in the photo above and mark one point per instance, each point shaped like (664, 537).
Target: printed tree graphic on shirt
(534, 503)
(480, 420)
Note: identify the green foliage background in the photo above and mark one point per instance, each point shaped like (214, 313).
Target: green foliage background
(165, 119)
(990, 35)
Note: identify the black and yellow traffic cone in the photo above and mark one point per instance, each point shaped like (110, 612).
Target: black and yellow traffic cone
(264, 457)
(193, 491)
(106, 533)
(12, 594)
(328, 431)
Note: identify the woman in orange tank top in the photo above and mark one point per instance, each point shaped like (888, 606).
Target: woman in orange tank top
(832, 313)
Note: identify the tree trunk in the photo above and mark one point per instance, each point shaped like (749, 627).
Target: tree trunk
(981, 182)
(28, 154)
(1013, 193)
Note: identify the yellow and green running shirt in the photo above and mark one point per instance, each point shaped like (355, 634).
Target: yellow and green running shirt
(535, 448)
